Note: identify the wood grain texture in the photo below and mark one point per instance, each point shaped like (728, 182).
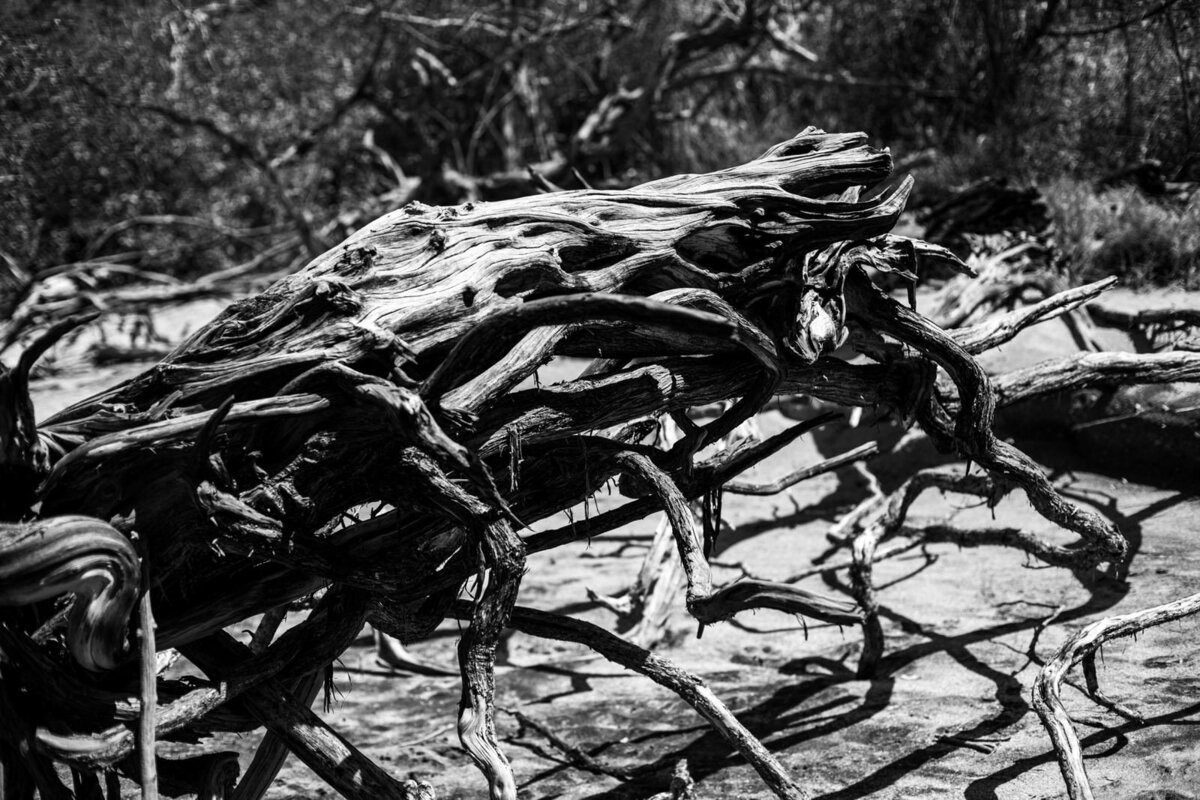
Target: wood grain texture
(366, 423)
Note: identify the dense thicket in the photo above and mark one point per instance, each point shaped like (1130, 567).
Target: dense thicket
(273, 118)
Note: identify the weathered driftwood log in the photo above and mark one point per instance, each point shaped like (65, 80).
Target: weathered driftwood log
(385, 375)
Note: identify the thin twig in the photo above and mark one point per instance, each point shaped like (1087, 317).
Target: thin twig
(149, 674)
(1047, 687)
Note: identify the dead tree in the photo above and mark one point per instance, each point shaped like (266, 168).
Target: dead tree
(219, 484)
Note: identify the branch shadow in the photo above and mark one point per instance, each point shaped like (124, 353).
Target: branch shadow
(984, 788)
(777, 717)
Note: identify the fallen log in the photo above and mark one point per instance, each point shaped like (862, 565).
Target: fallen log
(387, 374)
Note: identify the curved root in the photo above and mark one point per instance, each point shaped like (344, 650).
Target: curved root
(503, 554)
(81, 556)
(1047, 688)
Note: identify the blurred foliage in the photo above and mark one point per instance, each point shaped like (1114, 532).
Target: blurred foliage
(206, 131)
(1122, 232)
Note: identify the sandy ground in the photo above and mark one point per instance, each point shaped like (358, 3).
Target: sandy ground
(948, 714)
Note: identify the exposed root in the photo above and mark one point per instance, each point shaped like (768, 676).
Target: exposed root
(389, 373)
(328, 754)
(1047, 688)
(273, 751)
(971, 433)
(303, 649)
(267, 627)
(1096, 370)
(705, 604)
(25, 458)
(998, 330)
(577, 757)
(886, 518)
(148, 772)
(687, 686)
(859, 453)
(647, 604)
(81, 556)
(502, 554)
(391, 652)
(1151, 328)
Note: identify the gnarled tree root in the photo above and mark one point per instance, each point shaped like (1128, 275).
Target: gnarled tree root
(75, 555)
(687, 686)
(971, 433)
(387, 374)
(502, 554)
(1082, 647)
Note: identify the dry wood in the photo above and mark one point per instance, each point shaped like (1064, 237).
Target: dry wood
(502, 554)
(804, 473)
(1047, 689)
(320, 748)
(1108, 315)
(663, 672)
(148, 669)
(1003, 328)
(387, 373)
(1097, 369)
(272, 752)
(81, 556)
(577, 757)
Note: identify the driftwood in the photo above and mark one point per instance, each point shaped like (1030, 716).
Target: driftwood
(1095, 405)
(357, 431)
(1082, 648)
(987, 206)
(1152, 328)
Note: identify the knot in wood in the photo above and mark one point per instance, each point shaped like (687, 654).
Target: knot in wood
(355, 260)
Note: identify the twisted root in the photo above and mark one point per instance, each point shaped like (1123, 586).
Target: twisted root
(81, 556)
